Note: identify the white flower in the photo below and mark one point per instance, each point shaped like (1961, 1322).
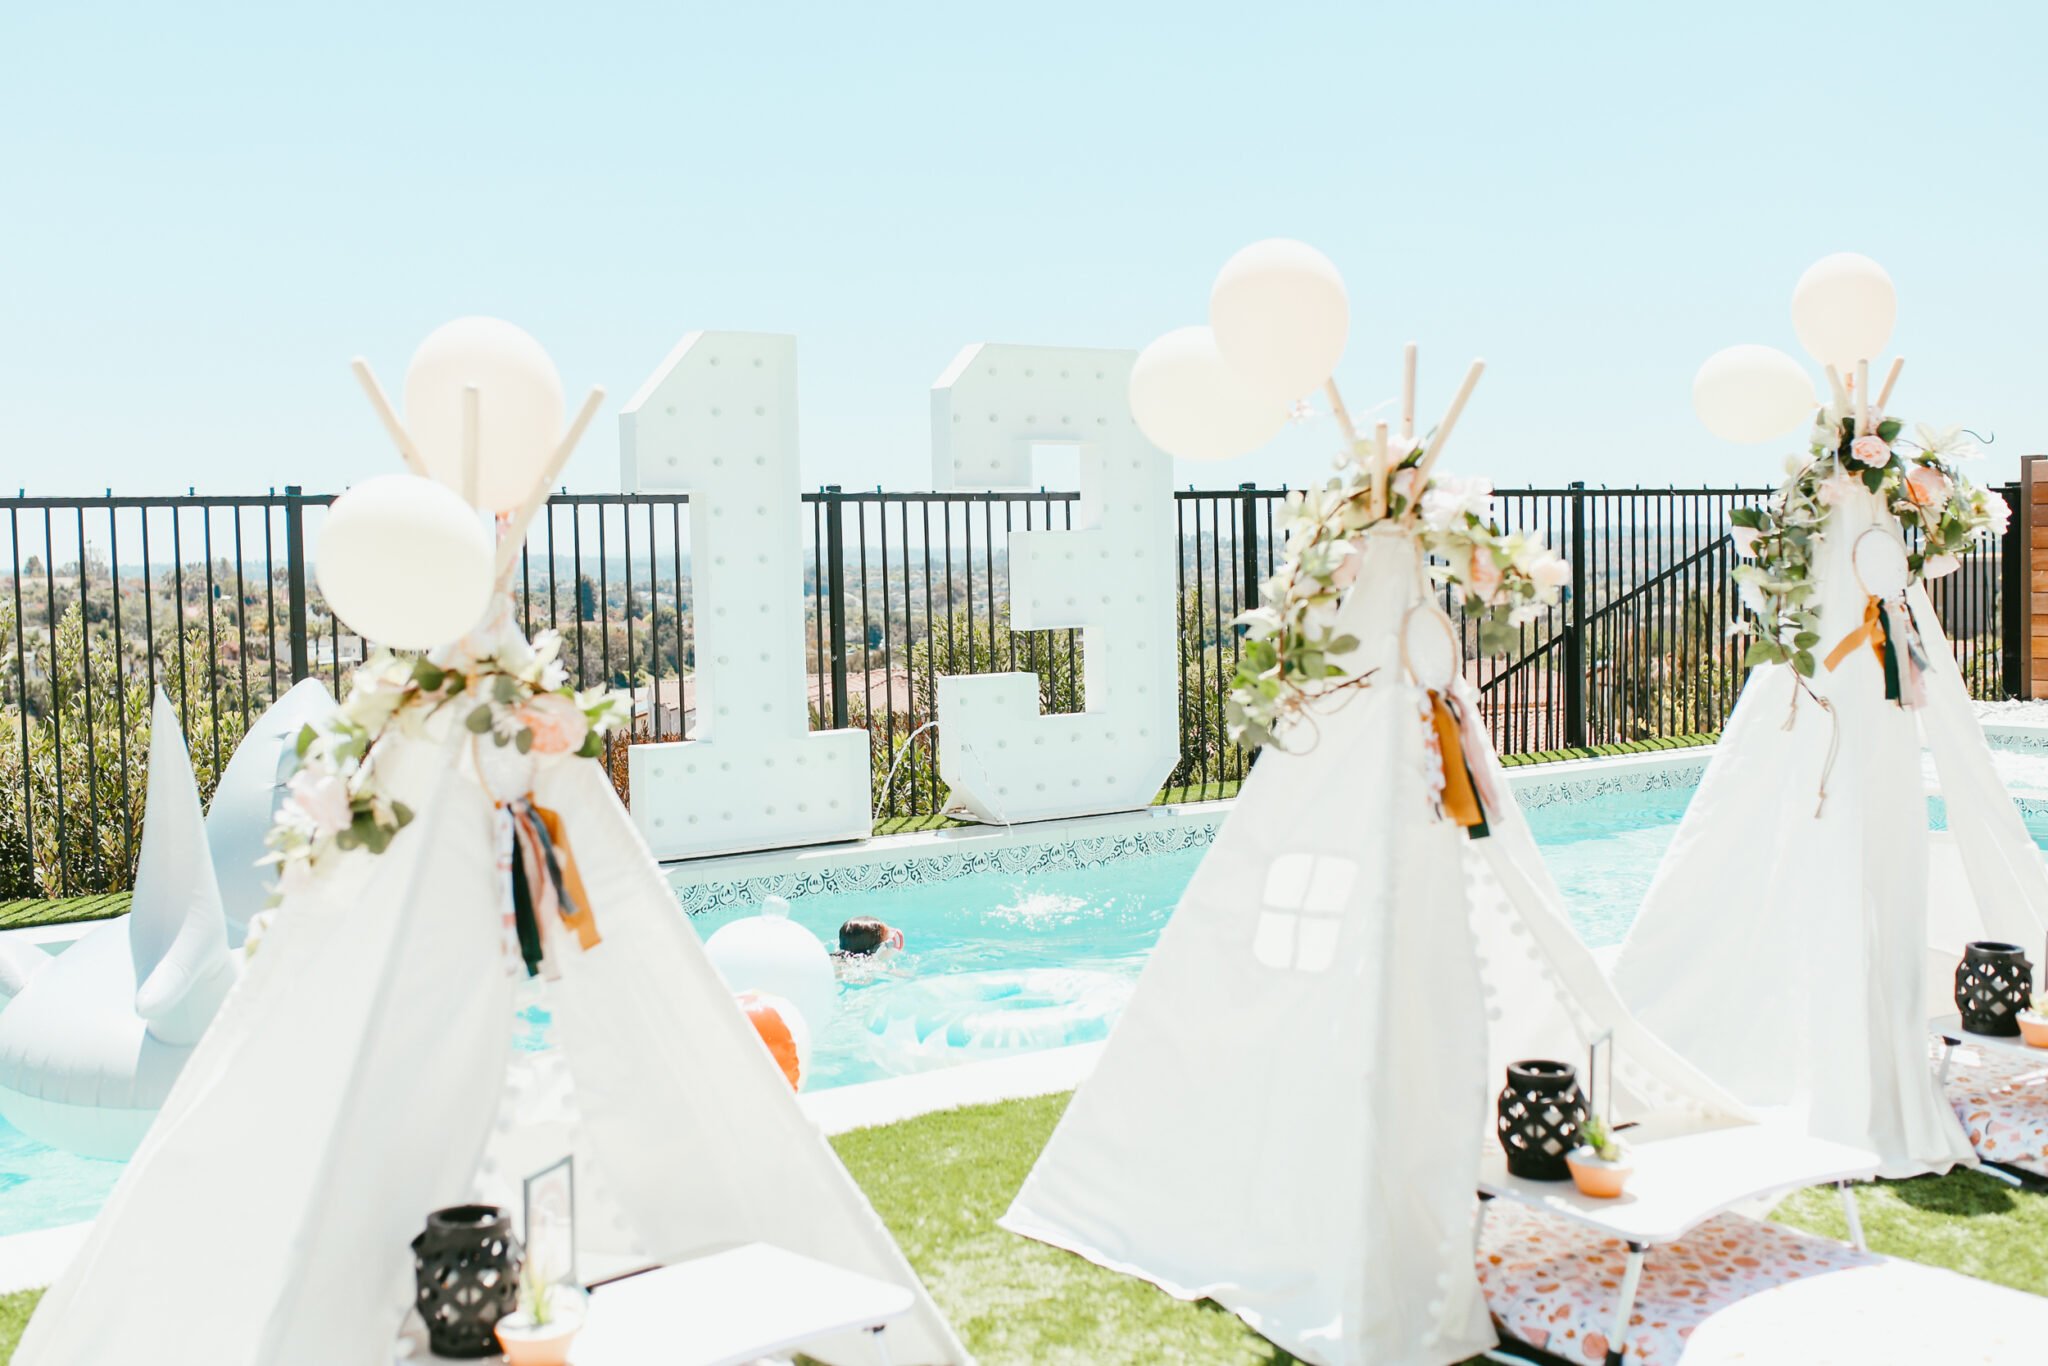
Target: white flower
(1550, 574)
(1753, 598)
(1746, 538)
(1938, 565)
(1950, 443)
(1450, 500)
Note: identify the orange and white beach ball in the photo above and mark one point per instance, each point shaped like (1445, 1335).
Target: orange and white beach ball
(781, 1027)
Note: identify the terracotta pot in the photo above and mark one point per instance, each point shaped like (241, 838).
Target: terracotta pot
(1596, 1177)
(2034, 1029)
(527, 1345)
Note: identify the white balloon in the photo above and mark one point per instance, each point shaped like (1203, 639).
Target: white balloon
(770, 952)
(1189, 403)
(1280, 313)
(1752, 393)
(1843, 309)
(404, 562)
(519, 407)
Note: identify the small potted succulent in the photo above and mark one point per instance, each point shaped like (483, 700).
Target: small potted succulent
(1600, 1166)
(2034, 1021)
(549, 1315)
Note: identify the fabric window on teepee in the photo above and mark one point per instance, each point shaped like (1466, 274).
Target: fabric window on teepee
(1786, 942)
(1289, 1116)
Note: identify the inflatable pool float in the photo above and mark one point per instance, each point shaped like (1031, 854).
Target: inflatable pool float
(92, 1039)
(960, 1016)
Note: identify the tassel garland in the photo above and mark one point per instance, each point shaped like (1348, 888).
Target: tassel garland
(1467, 793)
(1889, 631)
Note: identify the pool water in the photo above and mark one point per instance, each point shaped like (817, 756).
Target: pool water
(998, 963)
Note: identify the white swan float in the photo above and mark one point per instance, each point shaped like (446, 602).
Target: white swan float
(92, 1038)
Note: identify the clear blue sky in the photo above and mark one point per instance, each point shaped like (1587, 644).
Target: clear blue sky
(205, 213)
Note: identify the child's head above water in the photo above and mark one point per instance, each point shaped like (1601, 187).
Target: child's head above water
(863, 935)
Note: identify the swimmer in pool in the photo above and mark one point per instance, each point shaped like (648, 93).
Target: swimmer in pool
(865, 944)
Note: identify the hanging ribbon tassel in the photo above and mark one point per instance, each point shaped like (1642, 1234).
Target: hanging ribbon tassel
(547, 888)
(1911, 653)
(1461, 789)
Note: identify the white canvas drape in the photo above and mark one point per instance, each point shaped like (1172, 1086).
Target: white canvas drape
(1289, 1116)
(1785, 944)
(350, 1083)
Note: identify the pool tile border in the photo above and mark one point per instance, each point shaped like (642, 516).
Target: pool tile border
(886, 861)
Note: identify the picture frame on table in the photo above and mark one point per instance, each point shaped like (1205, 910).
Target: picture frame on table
(549, 1225)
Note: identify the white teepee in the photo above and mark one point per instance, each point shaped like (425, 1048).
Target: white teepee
(1790, 947)
(92, 1041)
(1288, 1118)
(350, 1084)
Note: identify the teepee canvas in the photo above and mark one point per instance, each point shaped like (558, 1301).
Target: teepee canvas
(1288, 1118)
(352, 1082)
(1793, 943)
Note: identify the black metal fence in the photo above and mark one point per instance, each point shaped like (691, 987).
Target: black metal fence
(212, 598)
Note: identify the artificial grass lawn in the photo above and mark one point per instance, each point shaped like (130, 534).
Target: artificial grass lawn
(14, 1312)
(941, 1181)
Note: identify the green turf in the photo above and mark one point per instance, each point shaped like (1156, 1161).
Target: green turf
(14, 1312)
(1964, 1221)
(16, 915)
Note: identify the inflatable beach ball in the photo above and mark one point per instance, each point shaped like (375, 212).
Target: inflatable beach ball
(773, 954)
(781, 1027)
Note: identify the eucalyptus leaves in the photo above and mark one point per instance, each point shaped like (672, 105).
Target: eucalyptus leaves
(1292, 653)
(503, 689)
(1917, 481)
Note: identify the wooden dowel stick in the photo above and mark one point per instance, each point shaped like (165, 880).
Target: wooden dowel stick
(1841, 391)
(514, 534)
(1884, 395)
(1408, 392)
(1862, 397)
(1443, 431)
(472, 437)
(1343, 415)
(1381, 473)
(393, 428)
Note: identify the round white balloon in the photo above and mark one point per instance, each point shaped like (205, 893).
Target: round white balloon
(772, 953)
(1189, 403)
(404, 562)
(1843, 309)
(519, 407)
(1752, 393)
(1280, 314)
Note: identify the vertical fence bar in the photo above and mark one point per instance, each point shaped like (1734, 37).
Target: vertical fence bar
(1575, 635)
(294, 578)
(2016, 554)
(835, 581)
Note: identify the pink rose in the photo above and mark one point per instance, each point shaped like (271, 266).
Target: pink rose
(1482, 575)
(1746, 538)
(1926, 486)
(321, 800)
(1346, 572)
(1838, 489)
(1406, 484)
(1870, 450)
(1551, 573)
(557, 723)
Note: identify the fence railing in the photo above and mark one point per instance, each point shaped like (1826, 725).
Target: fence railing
(213, 598)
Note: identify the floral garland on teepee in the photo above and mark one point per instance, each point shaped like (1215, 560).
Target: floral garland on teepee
(514, 693)
(1917, 480)
(1292, 654)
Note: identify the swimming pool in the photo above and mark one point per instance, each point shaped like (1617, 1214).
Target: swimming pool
(1004, 960)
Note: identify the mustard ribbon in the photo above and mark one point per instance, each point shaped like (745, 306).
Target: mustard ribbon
(1871, 630)
(1461, 796)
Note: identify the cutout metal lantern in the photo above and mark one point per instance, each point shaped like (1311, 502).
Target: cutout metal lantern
(466, 1266)
(1994, 983)
(1539, 1114)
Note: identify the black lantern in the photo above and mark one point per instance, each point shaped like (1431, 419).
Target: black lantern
(1540, 1112)
(466, 1265)
(1994, 983)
